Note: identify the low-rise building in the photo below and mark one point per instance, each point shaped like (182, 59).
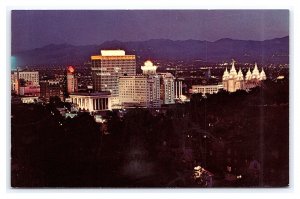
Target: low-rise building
(92, 102)
(49, 88)
(206, 89)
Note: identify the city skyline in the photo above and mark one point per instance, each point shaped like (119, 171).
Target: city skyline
(36, 28)
(155, 114)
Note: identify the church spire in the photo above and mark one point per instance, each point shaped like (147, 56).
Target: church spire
(225, 74)
(255, 72)
(240, 75)
(248, 74)
(263, 74)
(233, 72)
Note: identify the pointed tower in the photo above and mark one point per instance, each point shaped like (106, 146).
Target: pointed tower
(239, 84)
(263, 75)
(233, 72)
(248, 75)
(255, 73)
(240, 75)
(225, 79)
(226, 74)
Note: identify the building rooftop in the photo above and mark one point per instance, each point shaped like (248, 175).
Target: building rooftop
(112, 52)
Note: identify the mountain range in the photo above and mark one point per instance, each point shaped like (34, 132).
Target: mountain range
(267, 51)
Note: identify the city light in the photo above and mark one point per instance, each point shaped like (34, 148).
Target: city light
(162, 113)
(71, 69)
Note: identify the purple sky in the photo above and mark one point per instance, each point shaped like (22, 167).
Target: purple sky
(32, 29)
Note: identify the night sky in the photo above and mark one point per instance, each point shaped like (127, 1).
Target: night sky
(32, 29)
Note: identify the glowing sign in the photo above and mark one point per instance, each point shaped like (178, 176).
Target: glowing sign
(112, 52)
(71, 69)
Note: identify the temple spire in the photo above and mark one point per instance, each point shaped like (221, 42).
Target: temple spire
(248, 74)
(255, 72)
(263, 75)
(226, 74)
(233, 72)
(240, 75)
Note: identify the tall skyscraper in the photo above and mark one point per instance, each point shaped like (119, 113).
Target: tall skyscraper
(167, 88)
(108, 67)
(72, 82)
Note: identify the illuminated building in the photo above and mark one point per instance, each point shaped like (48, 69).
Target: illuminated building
(153, 91)
(25, 82)
(92, 102)
(108, 67)
(49, 89)
(29, 90)
(133, 91)
(233, 81)
(72, 82)
(29, 99)
(149, 68)
(263, 75)
(206, 89)
(167, 88)
(178, 89)
(141, 90)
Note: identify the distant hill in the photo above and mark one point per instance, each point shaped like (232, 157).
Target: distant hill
(268, 51)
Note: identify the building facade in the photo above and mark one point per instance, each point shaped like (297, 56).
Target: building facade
(206, 89)
(108, 67)
(72, 81)
(178, 88)
(92, 102)
(153, 91)
(167, 88)
(25, 82)
(233, 81)
(133, 91)
(50, 88)
(141, 90)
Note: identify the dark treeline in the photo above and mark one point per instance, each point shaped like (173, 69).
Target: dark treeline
(146, 148)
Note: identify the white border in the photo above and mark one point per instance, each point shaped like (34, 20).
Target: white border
(7, 5)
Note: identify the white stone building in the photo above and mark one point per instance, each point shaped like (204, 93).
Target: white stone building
(233, 81)
(92, 102)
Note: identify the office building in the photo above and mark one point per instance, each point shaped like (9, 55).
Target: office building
(133, 91)
(141, 90)
(167, 88)
(49, 88)
(72, 82)
(108, 67)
